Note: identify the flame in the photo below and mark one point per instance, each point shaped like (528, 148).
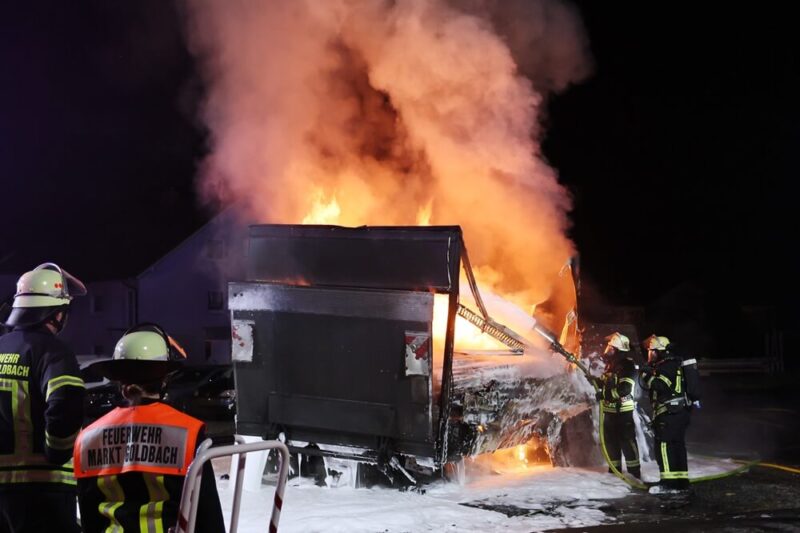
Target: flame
(384, 110)
(467, 336)
(322, 211)
(516, 459)
(424, 214)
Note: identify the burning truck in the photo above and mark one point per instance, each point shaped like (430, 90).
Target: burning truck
(375, 345)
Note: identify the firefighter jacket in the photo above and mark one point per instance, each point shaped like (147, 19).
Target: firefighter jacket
(619, 386)
(131, 464)
(667, 386)
(41, 410)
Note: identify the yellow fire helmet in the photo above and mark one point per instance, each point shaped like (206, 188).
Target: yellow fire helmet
(654, 342)
(41, 292)
(144, 354)
(618, 341)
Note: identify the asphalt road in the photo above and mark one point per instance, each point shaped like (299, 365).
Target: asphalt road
(759, 500)
(746, 417)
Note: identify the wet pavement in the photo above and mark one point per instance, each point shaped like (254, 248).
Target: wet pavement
(743, 417)
(759, 500)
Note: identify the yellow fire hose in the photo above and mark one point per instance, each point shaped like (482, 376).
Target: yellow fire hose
(636, 484)
(777, 467)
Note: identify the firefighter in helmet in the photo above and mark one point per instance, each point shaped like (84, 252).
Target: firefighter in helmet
(131, 463)
(41, 405)
(616, 394)
(673, 385)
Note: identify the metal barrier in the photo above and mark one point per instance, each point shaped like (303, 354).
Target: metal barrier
(187, 514)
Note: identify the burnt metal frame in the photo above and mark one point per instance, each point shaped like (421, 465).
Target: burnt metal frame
(455, 255)
(454, 263)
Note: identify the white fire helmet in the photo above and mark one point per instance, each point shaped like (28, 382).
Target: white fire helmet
(654, 342)
(40, 292)
(619, 341)
(144, 353)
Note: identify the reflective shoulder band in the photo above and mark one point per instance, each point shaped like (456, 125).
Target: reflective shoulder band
(61, 381)
(59, 443)
(665, 379)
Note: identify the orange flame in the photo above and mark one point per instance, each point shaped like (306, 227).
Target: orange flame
(322, 211)
(522, 458)
(394, 113)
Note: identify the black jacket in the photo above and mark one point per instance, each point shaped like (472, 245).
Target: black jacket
(618, 385)
(41, 410)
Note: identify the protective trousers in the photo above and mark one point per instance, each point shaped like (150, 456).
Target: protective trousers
(670, 441)
(619, 433)
(38, 511)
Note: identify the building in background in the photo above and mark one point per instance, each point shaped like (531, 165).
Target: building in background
(186, 290)
(97, 320)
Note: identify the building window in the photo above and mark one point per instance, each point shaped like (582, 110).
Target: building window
(215, 249)
(216, 301)
(98, 303)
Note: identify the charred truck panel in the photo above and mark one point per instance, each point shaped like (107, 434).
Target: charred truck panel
(333, 345)
(332, 336)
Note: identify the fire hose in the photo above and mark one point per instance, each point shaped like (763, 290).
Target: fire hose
(518, 344)
(634, 483)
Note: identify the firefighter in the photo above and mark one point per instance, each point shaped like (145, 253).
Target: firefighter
(41, 405)
(131, 463)
(616, 393)
(669, 378)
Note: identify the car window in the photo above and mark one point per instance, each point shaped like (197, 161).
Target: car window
(89, 375)
(189, 376)
(221, 380)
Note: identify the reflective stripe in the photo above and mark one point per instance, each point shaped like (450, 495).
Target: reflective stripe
(22, 475)
(150, 520)
(151, 514)
(611, 407)
(675, 475)
(60, 443)
(689, 362)
(23, 428)
(635, 449)
(115, 497)
(661, 408)
(61, 381)
(664, 459)
(665, 379)
(678, 380)
(631, 463)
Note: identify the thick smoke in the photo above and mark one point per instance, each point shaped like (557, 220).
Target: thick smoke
(394, 112)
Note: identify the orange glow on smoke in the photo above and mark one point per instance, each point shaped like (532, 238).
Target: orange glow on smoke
(414, 112)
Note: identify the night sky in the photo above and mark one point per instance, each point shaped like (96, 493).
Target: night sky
(679, 150)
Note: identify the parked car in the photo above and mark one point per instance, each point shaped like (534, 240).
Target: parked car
(101, 395)
(205, 392)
